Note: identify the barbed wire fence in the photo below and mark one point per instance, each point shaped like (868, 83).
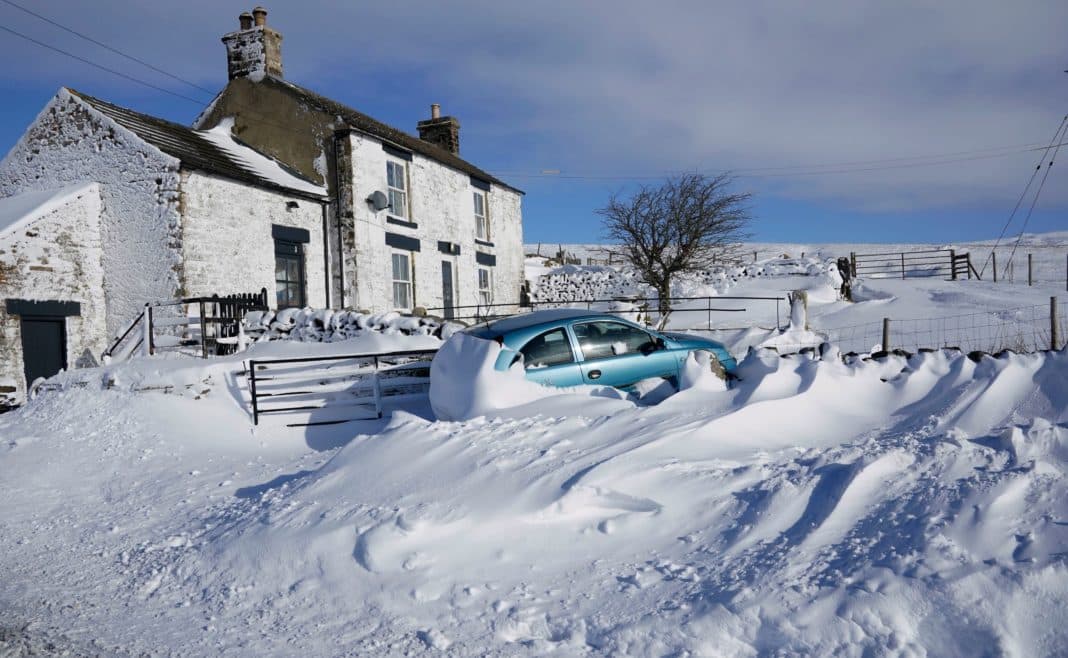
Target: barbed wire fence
(1021, 329)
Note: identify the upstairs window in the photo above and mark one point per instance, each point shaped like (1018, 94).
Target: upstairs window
(397, 182)
(482, 231)
(402, 280)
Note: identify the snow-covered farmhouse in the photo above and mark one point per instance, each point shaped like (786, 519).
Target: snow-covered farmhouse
(103, 209)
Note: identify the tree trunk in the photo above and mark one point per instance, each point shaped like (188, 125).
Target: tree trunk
(663, 304)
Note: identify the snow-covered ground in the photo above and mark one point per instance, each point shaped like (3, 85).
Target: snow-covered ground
(820, 506)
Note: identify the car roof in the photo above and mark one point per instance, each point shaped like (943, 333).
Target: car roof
(533, 319)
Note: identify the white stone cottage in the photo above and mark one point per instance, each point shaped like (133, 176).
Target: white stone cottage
(103, 209)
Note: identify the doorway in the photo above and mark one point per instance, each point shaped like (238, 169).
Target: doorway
(44, 346)
(448, 295)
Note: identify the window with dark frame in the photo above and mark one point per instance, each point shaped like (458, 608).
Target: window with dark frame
(289, 274)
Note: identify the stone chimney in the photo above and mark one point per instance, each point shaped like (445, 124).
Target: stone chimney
(254, 49)
(440, 131)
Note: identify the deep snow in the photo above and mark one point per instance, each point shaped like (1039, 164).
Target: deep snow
(848, 506)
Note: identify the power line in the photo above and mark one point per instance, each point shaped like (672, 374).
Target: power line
(101, 67)
(106, 46)
(1023, 194)
(1034, 201)
(893, 163)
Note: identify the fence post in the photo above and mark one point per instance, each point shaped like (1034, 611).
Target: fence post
(1054, 339)
(754, 256)
(886, 334)
(146, 331)
(902, 265)
(853, 263)
(1030, 272)
(994, 260)
(252, 391)
(203, 333)
(952, 264)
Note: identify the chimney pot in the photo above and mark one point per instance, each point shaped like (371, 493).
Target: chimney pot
(246, 20)
(435, 111)
(260, 16)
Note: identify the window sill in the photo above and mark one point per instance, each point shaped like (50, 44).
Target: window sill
(400, 222)
(484, 243)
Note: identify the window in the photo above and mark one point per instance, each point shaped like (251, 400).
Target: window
(481, 218)
(402, 281)
(549, 349)
(599, 340)
(289, 274)
(397, 180)
(485, 286)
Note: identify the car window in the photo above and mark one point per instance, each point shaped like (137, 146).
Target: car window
(548, 349)
(596, 339)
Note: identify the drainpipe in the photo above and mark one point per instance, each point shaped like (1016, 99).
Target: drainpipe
(326, 249)
(337, 215)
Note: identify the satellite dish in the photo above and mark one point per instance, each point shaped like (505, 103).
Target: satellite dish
(378, 201)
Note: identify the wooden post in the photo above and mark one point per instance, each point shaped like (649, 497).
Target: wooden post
(902, 265)
(953, 264)
(994, 260)
(853, 263)
(1030, 272)
(203, 333)
(886, 334)
(1054, 339)
(754, 256)
(146, 331)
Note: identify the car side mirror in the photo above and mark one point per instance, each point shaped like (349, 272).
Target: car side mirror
(660, 344)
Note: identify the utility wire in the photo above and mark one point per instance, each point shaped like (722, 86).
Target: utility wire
(1038, 192)
(1023, 194)
(819, 172)
(102, 67)
(106, 46)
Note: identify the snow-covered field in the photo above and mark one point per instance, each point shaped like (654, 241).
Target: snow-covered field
(820, 506)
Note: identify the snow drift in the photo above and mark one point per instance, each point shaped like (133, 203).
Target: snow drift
(899, 506)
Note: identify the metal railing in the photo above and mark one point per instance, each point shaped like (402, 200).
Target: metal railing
(909, 264)
(487, 312)
(349, 381)
(215, 325)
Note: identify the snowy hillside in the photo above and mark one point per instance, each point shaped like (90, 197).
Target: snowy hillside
(822, 505)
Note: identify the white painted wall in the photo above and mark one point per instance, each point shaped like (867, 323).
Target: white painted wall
(226, 237)
(69, 142)
(56, 257)
(443, 208)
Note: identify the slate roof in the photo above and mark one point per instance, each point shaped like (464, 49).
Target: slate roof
(185, 144)
(363, 123)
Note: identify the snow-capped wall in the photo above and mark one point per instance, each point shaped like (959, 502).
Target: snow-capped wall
(69, 142)
(227, 245)
(55, 256)
(442, 209)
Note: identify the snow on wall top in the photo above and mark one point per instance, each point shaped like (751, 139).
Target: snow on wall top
(21, 209)
(256, 162)
(218, 154)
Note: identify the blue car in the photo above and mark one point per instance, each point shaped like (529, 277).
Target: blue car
(568, 347)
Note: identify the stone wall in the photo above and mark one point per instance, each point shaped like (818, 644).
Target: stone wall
(226, 237)
(68, 143)
(442, 208)
(55, 257)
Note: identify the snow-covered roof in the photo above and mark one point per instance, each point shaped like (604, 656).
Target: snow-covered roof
(19, 210)
(211, 151)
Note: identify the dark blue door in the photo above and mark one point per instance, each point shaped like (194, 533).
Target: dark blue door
(44, 347)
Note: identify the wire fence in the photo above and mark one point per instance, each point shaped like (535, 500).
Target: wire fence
(1021, 329)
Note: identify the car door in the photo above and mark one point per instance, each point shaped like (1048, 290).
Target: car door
(620, 354)
(549, 359)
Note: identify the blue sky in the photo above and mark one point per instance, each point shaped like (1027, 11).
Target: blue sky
(615, 94)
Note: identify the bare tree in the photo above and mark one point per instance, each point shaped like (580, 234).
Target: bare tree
(679, 226)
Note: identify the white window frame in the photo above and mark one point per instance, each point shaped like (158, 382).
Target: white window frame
(408, 283)
(482, 224)
(392, 178)
(485, 294)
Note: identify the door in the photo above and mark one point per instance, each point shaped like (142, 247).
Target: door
(44, 347)
(447, 295)
(550, 360)
(618, 354)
